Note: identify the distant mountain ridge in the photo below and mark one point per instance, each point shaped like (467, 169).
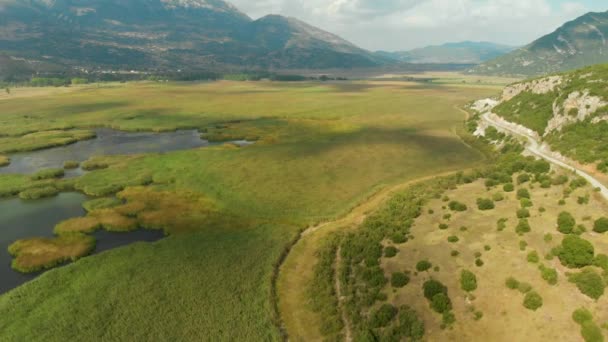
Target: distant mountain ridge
(466, 52)
(165, 34)
(576, 44)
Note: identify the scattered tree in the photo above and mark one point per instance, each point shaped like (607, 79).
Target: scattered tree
(468, 281)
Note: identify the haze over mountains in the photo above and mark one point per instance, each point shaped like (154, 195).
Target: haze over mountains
(458, 53)
(576, 44)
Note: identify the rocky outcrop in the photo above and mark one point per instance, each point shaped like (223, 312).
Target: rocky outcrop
(577, 107)
(540, 86)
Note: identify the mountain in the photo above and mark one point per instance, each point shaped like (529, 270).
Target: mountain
(451, 53)
(164, 35)
(568, 111)
(576, 44)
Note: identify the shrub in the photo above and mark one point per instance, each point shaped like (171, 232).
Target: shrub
(548, 274)
(512, 283)
(423, 266)
(560, 180)
(433, 287)
(533, 257)
(487, 248)
(548, 237)
(497, 197)
(457, 206)
(455, 253)
(523, 193)
(399, 279)
(583, 200)
(523, 178)
(441, 303)
(533, 301)
(542, 210)
(523, 213)
(443, 226)
(601, 225)
(575, 252)
(390, 251)
(565, 222)
(582, 315)
(38, 193)
(525, 203)
(578, 182)
(523, 245)
(601, 261)
(48, 174)
(383, 316)
(453, 239)
(501, 224)
(447, 216)
(485, 204)
(589, 283)
(591, 332)
(523, 227)
(477, 255)
(468, 281)
(410, 325)
(479, 262)
(509, 187)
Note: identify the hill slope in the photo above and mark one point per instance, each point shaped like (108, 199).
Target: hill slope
(456, 53)
(165, 34)
(569, 111)
(576, 44)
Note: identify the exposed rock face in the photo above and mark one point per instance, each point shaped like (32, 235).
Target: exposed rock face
(577, 107)
(540, 86)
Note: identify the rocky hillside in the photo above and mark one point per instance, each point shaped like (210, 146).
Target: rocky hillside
(578, 43)
(569, 111)
(451, 53)
(164, 34)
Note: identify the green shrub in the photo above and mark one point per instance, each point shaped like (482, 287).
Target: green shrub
(498, 197)
(565, 222)
(512, 283)
(447, 216)
(485, 204)
(533, 301)
(582, 315)
(591, 332)
(523, 227)
(542, 210)
(533, 257)
(525, 203)
(523, 178)
(423, 266)
(453, 239)
(548, 274)
(575, 252)
(601, 225)
(583, 200)
(71, 164)
(479, 262)
(468, 281)
(441, 303)
(382, 316)
(523, 213)
(410, 325)
(457, 206)
(455, 253)
(38, 193)
(48, 174)
(433, 287)
(578, 182)
(443, 226)
(601, 261)
(523, 245)
(523, 193)
(560, 180)
(509, 187)
(548, 237)
(390, 251)
(399, 279)
(589, 283)
(487, 248)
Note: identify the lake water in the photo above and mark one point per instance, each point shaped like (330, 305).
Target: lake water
(108, 142)
(20, 220)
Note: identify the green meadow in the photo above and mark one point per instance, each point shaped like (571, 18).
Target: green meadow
(320, 150)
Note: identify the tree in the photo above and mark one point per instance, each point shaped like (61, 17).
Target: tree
(523, 193)
(576, 252)
(485, 204)
(601, 225)
(457, 206)
(523, 227)
(441, 303)
(423, 266)
(565, 222)
(432, 287)
(399, 279)
(383, 316)
(468, 281)
(533, 301)
(589, 283)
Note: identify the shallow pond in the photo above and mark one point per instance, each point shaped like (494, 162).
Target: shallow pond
(108, 142)
(19, 220)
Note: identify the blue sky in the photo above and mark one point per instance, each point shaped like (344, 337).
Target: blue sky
(406, 24)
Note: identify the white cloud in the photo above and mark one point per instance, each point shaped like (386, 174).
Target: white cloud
(404, 24)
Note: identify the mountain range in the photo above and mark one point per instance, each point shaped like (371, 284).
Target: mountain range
(451, 53)
(164, 34)
(576, 44)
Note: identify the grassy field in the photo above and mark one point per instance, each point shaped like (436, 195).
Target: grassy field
(322, 148)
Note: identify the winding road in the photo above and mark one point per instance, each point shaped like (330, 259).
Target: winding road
(534, 147)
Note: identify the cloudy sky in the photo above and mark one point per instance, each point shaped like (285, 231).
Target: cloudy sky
(406, 24)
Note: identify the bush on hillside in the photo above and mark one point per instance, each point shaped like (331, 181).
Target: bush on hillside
(601, 225)
(565, 222)
(548, 274)
(423, 266)
(468, 281)
(523, 193)
(523, 227)
(509, 187)
(575, 252)
(523, 213)
(390, 251)
(485, 204)
(457, 206)
(533, 301)
(533, 257)
(441, 303)
(523, 178)
(589, 283)
(383, 316)
(399, 279)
